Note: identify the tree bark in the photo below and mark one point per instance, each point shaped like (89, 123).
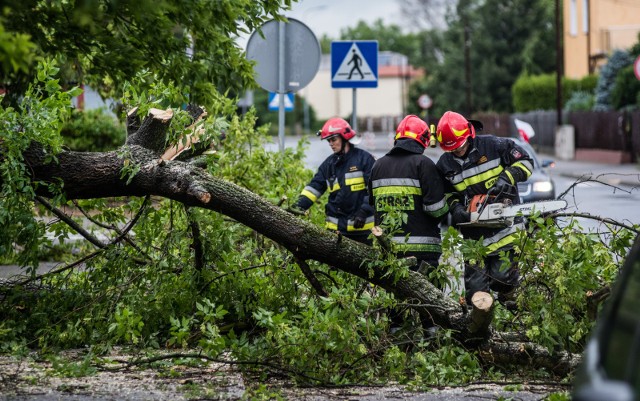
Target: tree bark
(97, 175)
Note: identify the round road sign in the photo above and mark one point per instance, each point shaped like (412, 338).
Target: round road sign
(424, 101)
(636, 67)
(301, 55)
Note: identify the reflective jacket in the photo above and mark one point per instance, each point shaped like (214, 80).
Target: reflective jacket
(345, 176)
(405, 180)
(488, 158)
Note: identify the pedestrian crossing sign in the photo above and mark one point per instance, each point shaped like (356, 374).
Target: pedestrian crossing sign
(354, 64)
(274, 101)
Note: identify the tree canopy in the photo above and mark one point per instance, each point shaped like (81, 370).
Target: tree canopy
(105, 43)
(474, 57)
(504, 41)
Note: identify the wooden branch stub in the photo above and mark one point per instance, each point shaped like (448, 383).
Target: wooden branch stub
(409, 262)
(378, 234)
(192, 137)
(196, 112)
(313, 280)
(189, 145)
(482, 312)
(162, 115)
(133, 121)
(200, 193)
(529, 354)
(594, 299)
(152, 133)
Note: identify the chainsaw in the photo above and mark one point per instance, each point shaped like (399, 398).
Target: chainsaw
(485, 211)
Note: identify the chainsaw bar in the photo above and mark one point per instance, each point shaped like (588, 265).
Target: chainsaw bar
(502, 215)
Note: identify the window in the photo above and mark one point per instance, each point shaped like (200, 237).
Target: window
(573, 18)
(585, 16)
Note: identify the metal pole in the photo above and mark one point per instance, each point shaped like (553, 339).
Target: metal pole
(588, 11)
(281, 54)
(467, 64)
(402, 95)
(354, 114)
(306, 113)
(559, 73)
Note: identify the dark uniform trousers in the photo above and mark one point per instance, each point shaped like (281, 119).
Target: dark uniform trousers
(488, 159)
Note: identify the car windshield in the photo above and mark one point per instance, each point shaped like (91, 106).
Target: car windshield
(529, 150)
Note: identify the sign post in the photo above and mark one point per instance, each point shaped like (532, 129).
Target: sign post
(354, 64)
(287, 57)
(425, 102)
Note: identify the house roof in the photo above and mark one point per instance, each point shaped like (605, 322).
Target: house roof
(407, 71)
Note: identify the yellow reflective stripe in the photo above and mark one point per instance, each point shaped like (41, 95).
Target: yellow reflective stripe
(452, 199)
(309, 195)
(503, 242)
(473, 171)
(367, 226)
(510, 177)
(406, 134)
(336, 187)
(467, 182)
(522, 166)
(330, 225)
(419, 248)
(394, 190)
(356, 180)
(502, 238)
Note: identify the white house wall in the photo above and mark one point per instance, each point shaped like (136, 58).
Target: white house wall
(385, 100)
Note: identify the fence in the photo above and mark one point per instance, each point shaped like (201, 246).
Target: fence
(611, 131)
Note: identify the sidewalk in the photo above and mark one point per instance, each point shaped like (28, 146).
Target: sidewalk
(613, 174)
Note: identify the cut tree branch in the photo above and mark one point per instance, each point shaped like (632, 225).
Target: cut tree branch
(98, 175)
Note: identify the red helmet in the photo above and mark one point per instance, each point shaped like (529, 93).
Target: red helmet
(415, 128)
(336, 126)
(453, 131)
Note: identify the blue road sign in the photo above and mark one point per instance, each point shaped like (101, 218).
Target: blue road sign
(274, 101)
(354, 64)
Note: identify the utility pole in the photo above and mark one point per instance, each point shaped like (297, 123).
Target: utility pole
(559, 62)
(467, 65)
(463, 12)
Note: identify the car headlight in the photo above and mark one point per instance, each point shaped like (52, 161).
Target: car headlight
(543, 186)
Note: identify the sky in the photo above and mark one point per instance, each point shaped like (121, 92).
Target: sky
(330, 16)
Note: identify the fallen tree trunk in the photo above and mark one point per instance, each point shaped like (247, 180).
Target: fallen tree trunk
(97, 175)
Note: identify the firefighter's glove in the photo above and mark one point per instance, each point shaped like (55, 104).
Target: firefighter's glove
(504, 189)
(296, 210)
(460, 215)
(359, 219)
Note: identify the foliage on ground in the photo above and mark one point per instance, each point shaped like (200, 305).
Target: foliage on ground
(248, 301)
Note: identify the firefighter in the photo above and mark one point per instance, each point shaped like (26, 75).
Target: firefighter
(344, 174)
(406, 180)
(476, 165)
